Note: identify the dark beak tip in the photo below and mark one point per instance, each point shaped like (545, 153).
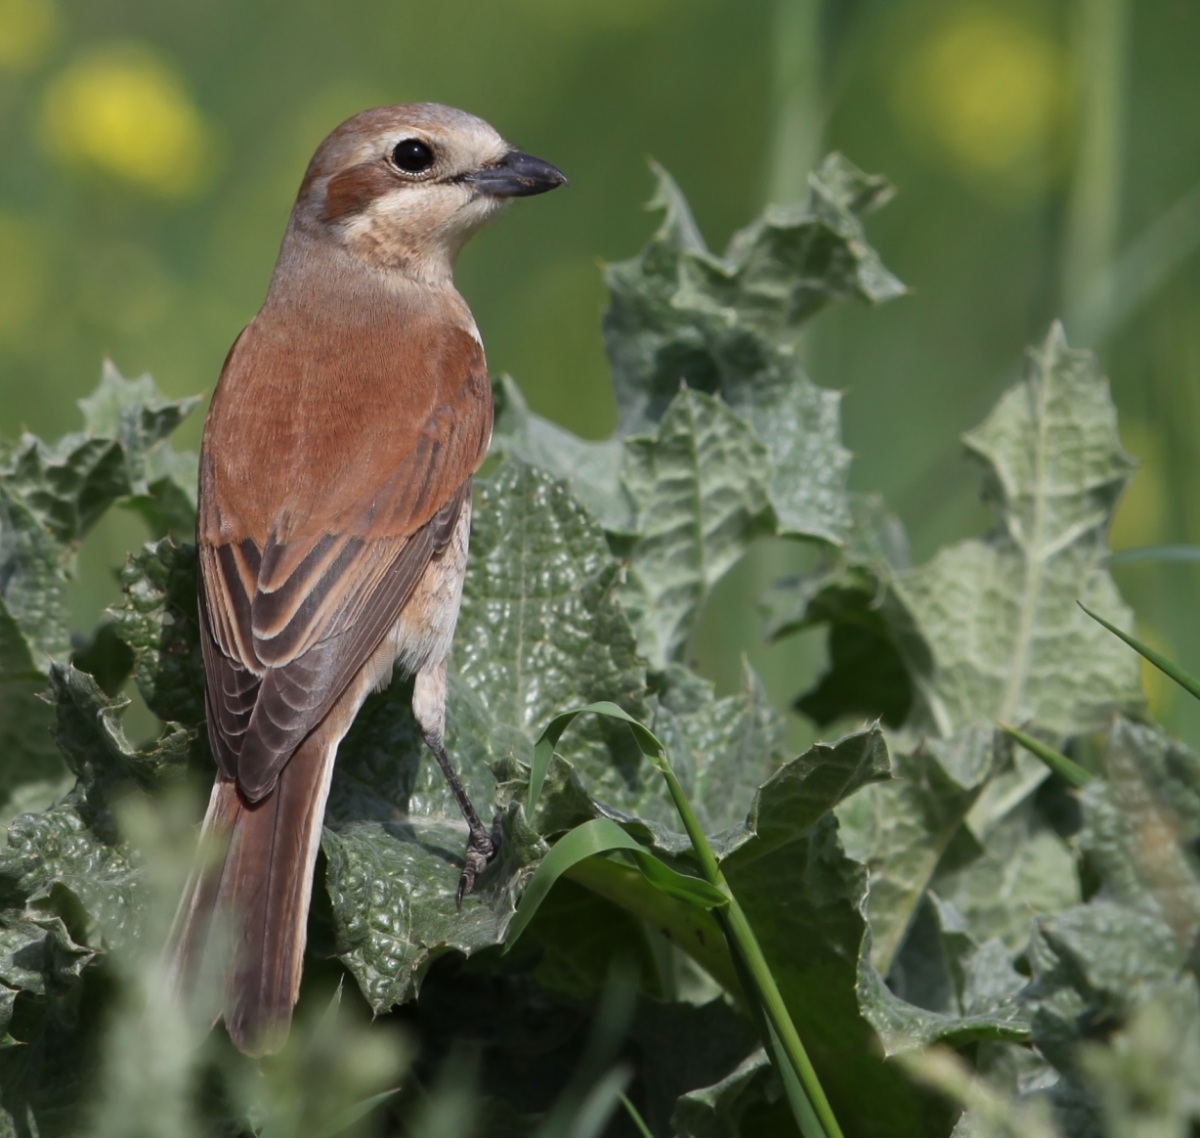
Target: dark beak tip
(519, 175)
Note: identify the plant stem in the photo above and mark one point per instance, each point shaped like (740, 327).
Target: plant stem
(1099, 32)
(743, 942)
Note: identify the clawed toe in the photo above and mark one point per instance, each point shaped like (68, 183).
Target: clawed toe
(481, 848)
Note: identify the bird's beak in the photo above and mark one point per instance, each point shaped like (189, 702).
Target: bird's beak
(517, 175)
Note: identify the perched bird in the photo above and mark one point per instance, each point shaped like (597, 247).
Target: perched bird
(334, 514)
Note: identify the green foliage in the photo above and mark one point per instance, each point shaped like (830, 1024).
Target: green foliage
(946, 923)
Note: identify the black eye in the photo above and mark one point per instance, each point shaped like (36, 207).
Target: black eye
(413, 156)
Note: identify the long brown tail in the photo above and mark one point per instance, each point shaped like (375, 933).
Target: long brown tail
(259, 892)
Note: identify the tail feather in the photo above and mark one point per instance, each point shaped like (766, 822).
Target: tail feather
(260, 890)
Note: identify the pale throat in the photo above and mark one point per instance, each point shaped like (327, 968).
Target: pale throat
(419, 238)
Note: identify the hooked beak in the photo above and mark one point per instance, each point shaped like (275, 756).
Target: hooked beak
(517, 175)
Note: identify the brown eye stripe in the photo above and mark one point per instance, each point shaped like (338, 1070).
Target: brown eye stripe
(352, 191)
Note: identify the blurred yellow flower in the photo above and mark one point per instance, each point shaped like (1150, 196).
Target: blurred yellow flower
(123, 110)
(27, 29)
(987, 89)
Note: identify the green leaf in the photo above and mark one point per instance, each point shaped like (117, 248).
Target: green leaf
(52, 494)
(392, 888)
(722, 750)
(1024, 869)
(602, 835)
(718, 1110)
(32, 773)
(541, 628)
(134, 413)
(990, 1112)
(804, 898)
(160, 622)
(590, 469)
(1006, 639)
(680, 314)
(945, 987)
(672, 302)
(902, 829)
(989, 629)
(1142, 823)
(1145, 1079)
(37, 956)
(699, 492)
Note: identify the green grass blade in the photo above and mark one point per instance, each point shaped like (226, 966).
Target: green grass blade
(1076, 775)
(543, 750)
(634, 1116)
(1154, 554)
(1188, 682)
(603, 835)
(740, 936)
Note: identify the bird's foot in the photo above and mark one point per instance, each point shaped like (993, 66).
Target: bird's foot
(482, 847)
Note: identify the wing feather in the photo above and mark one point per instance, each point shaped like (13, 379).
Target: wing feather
(300, 585)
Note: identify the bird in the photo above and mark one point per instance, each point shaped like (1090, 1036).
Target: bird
(334, 514)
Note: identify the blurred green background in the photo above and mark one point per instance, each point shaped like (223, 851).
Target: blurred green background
(1046, 152)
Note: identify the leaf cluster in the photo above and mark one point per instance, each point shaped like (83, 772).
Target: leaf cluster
(960, 938)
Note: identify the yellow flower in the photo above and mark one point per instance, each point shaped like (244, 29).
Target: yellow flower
(122, 110)
(987, 90)
(27, 29)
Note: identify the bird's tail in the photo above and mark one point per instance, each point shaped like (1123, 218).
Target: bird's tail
(249, 898)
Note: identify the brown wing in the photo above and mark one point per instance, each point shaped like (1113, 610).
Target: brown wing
(329, 479)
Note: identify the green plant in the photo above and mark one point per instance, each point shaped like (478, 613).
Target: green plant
(943, 922)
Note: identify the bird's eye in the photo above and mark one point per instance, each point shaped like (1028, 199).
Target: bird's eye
(412, 156)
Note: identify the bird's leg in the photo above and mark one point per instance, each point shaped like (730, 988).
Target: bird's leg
(429, 706)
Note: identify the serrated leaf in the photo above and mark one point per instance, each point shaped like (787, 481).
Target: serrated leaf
(68, 860)
(945, 987)
(804, 898)
(592, 470)
(68, 863)
(1006, 638)
(989, 629)
(392, 887)
(680, 314)
(902, 828)
(1023, 870)
(135, 414)
(717, 1110)
(541, 629)
(30, 757)
(672, 301)
(51, 495)
(722, 750)
(89, 734)
(37, 956)
(1142, 823)
(699, 493)
(159, 621)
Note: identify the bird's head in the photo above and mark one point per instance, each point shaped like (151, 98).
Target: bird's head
(404, 187)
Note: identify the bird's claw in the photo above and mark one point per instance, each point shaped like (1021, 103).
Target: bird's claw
(481, 848)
